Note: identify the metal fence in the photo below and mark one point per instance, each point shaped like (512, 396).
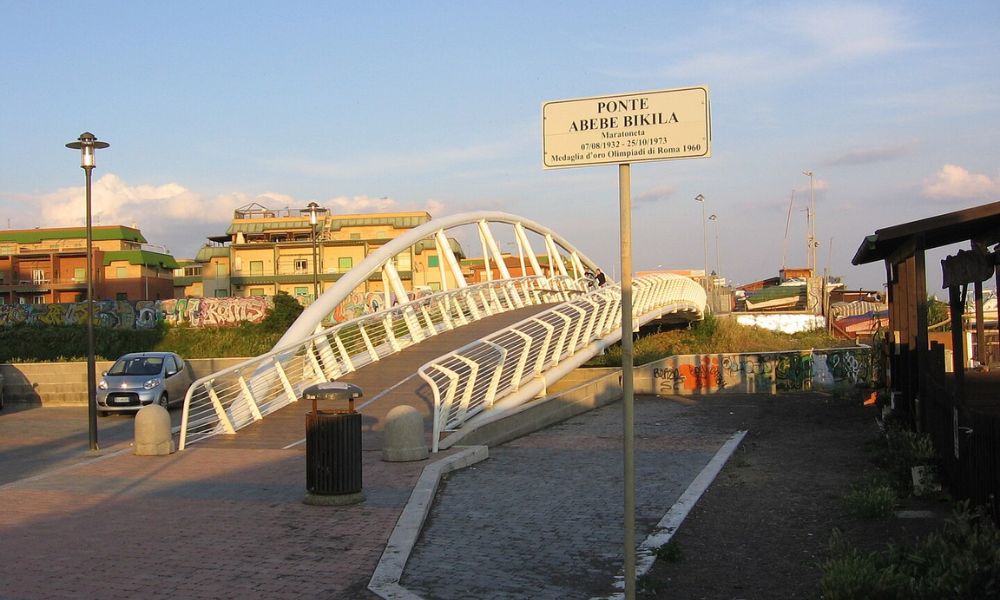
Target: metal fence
(506, 369)
(233, 398)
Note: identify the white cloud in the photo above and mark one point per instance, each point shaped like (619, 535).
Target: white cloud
(848, 31)
(653, 195)
(774, 45)
(180, 219)
(954, 182)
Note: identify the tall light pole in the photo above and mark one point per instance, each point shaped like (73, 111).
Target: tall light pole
(313, 209)
(812, 243)
(704, 234)
(87, 144)
(718, 269)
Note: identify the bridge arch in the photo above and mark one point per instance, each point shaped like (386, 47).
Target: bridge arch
(381, 260)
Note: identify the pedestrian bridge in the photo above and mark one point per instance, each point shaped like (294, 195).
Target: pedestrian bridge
(561, 320)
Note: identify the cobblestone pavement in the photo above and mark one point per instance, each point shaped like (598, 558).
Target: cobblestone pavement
(542, 518)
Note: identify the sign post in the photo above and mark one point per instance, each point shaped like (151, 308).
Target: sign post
(622, 129)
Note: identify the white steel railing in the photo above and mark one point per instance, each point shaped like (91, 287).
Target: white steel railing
(233, 398)
(482, 380)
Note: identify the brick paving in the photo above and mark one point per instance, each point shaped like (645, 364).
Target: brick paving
(540, 519)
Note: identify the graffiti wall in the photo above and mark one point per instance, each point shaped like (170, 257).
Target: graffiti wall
(145, 314)
(360, 303)
(216, 312)
(766, 372)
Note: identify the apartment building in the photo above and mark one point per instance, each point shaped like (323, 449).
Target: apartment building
(266, 251)
(45, 266)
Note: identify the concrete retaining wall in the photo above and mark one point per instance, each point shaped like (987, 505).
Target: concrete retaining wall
(582, 390)
(53, 384)
(764, 372)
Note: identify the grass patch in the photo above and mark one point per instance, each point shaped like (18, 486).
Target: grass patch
(872, 498)
(670, 552)
(962, 560)
(713, 335)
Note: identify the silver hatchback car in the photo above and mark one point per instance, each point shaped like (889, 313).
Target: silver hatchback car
(142, 378)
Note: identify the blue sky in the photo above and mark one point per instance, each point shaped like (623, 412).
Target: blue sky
(362, 107)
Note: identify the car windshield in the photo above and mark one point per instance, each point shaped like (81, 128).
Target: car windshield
(140, 365)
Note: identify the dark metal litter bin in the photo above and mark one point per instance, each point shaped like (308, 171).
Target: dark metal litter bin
(333, 445)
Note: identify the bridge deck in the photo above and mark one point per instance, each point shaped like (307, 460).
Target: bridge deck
(396, 373)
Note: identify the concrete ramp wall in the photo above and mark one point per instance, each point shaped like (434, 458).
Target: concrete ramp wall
(65, 383)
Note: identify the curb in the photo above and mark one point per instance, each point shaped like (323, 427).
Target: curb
(385, 579)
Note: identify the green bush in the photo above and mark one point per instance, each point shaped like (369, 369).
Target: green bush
(49, 343)
(962, 560)
(280, 318)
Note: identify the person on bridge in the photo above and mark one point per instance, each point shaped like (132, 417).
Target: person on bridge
(601, 277)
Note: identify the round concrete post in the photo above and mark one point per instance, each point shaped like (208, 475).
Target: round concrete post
(152, 431)
(404, 435)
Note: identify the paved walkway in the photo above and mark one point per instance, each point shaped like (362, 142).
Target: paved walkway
(540, 519)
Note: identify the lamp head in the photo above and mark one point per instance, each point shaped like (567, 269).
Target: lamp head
(86, 144)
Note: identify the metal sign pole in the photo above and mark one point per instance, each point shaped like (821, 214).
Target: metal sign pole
(628, 428)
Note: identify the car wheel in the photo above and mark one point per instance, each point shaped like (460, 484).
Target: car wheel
(163, 401)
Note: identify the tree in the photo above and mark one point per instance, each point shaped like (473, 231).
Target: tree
(280, 318)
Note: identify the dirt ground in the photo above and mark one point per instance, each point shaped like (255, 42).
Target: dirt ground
(764, 526)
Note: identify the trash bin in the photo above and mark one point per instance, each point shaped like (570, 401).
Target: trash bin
(333, 445)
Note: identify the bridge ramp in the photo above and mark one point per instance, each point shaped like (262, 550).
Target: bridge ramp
(390, 382)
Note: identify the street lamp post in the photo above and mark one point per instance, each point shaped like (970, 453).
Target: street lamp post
(87, 144)
(704, 234)
(313, 209)
(718, 268)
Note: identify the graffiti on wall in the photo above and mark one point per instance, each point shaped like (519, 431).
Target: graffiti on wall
(144, 314)
(216, 312)
(358, 304)
(849, 366)
(763, 372)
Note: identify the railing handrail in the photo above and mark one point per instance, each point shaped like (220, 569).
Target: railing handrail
(571, 332)
(325, 355)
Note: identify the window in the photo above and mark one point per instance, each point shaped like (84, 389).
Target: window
(434, 285)
(257, 291)
(38, 276)
(121, 296)
(300, 265)
(257, 268)
(221, 270)
(80, 274)
(38, 299)
(344, 264)
(403, 262)
(433, 261)
(121, 272)
(301, 291)
(220, 293)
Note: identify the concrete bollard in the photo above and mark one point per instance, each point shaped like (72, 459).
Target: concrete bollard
(404, 435)
(152, 431)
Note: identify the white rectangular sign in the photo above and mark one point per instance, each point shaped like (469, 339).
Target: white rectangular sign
(627, 128)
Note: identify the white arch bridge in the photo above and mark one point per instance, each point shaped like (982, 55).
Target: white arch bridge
(570, 320)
